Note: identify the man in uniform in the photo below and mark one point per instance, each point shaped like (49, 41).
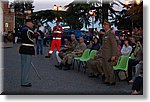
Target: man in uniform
(94, 66)
(106, 55)
(67, 60)
(109, 53)
(56, 42)
(69, 48)
(26, 50)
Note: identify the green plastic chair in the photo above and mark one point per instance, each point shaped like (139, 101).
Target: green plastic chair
(132, 56)
(84, 56)
(84, 60)
(91, 56)
(122, 65)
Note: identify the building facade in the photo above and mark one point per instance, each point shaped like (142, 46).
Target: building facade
(8, 17)
(1, 19)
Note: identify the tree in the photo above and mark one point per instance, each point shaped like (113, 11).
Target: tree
(20, 6)
(135, 12)
(78, 14)
(132, 13)
(79, 11)
(46, 16)
(104, 9)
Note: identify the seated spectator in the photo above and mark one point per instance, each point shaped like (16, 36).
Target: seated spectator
(118, 44)
(66, 45)
(138, 52)
(133, 43)
(138, 33)
(96, 45)
(126, 49)
(68, 48)
(138, 69)
(67, 60)
(89, 44)
(137, 84)
(94, 66)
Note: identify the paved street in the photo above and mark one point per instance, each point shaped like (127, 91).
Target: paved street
(54, 81)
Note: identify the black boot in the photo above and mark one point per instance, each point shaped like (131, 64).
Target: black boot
(59, 66)
(91, 75)
(48, 56)
(103, 77)
(67, 67)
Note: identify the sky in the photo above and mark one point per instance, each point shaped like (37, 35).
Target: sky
(48, 4)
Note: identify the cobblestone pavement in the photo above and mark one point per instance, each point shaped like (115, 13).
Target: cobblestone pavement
(54, 81)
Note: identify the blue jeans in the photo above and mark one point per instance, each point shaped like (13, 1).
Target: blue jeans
(25, 68)
(39, 46)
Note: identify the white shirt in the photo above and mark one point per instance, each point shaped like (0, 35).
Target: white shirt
(126, 50)
(41, 28)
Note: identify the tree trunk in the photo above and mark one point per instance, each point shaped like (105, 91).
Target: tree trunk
(105, 11)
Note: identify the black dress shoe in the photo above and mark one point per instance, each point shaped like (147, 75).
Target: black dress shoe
(67, 68)
(48, 56)
(57, 66)
(111, 84)
(93, 76)
(103, 78)
(28, 85)
(106, 83)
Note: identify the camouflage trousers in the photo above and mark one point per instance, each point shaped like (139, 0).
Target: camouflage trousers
(108, 71)
(101, 66)
(68, 58)
(94, 66)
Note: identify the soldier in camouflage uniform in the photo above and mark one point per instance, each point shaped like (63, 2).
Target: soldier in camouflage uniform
(67, 60)
(105, 56)
(109, 53)
(70, 48)
(94, 66)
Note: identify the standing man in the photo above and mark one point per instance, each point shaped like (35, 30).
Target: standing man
(109, 53)
(39, 40)
(26, 50)
(56, 42)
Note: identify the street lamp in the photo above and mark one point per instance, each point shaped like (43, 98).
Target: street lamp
(127, 2)
(138, 2)
(57, 8)
(92, 13)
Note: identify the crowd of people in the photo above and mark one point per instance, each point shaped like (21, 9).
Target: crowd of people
(109, 49)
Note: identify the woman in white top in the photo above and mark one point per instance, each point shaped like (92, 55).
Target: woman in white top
(126, 49)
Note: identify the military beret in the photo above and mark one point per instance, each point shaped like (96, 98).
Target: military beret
(107, 22)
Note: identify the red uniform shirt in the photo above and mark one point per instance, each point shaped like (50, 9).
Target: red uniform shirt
(57, 31)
